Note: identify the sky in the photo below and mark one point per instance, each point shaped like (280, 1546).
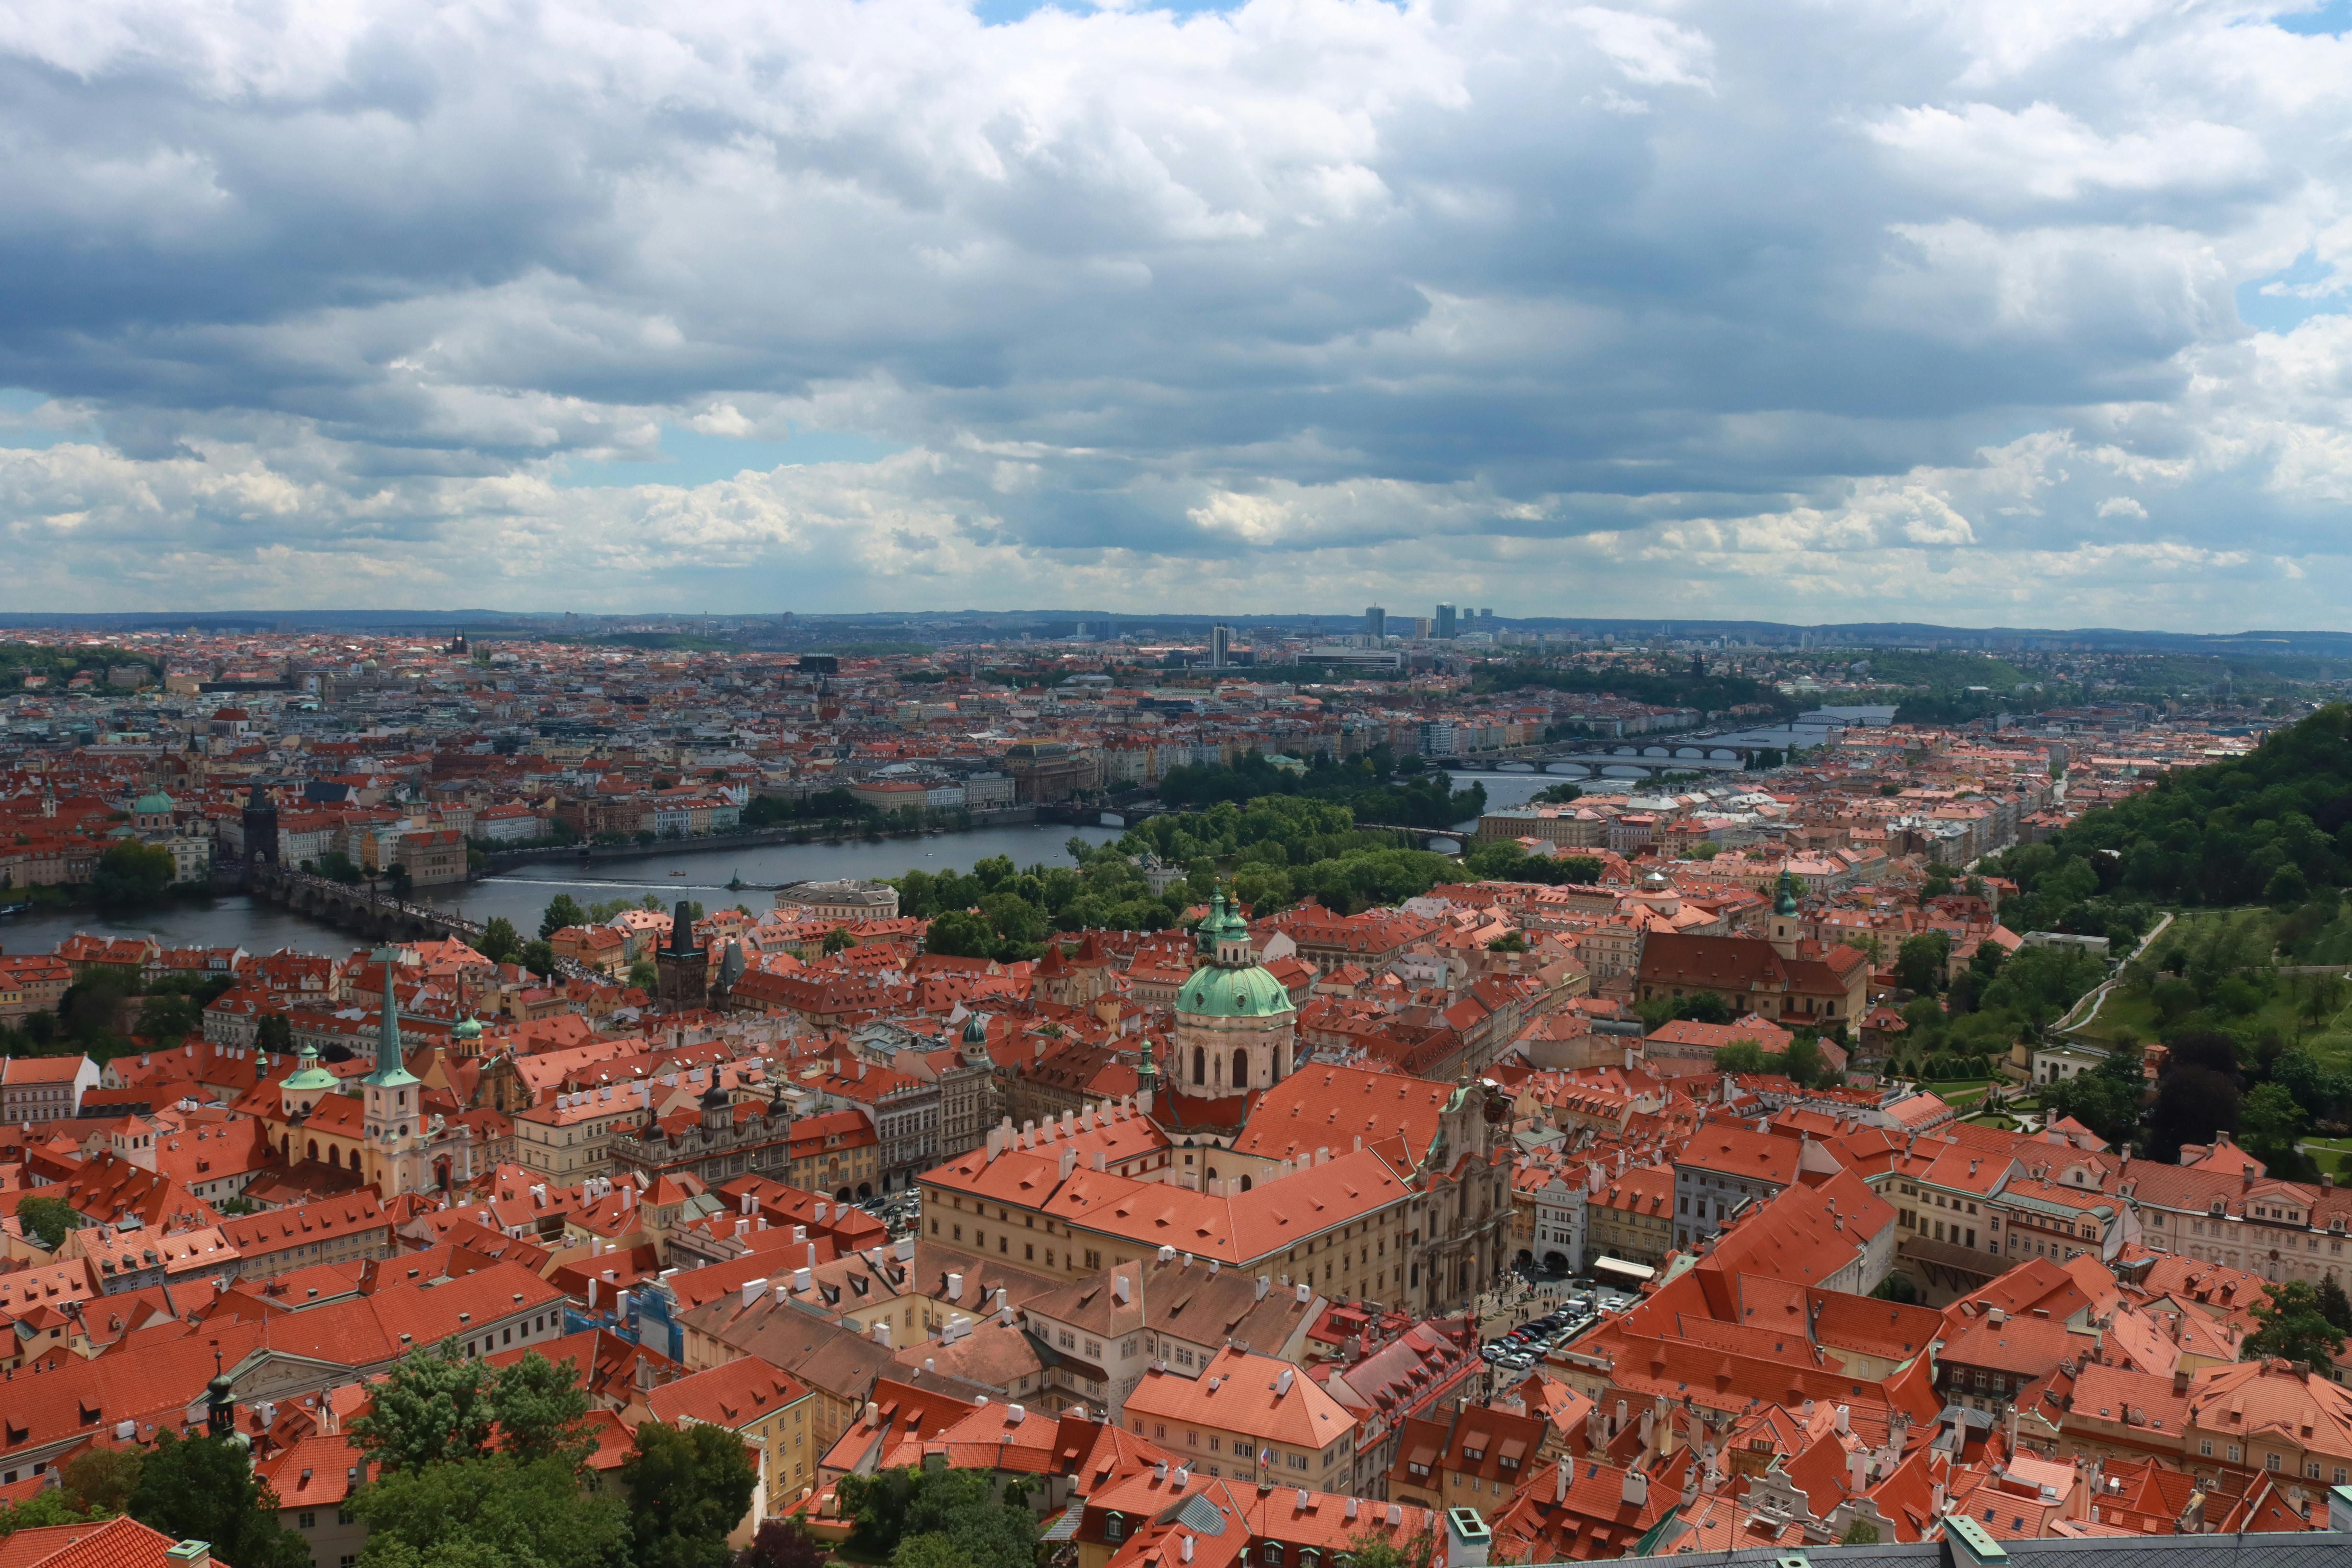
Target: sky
(2026, 314)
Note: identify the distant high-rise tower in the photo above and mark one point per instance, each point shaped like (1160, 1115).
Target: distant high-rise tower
(1376, 623)
(1220, 645)
(1444, 623)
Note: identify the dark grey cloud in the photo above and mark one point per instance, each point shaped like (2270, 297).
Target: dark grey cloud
(1907, 308)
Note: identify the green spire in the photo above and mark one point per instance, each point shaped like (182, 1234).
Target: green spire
(1785, 901)
(391, 1072)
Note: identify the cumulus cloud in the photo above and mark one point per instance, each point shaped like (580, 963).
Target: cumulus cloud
(1639, 308)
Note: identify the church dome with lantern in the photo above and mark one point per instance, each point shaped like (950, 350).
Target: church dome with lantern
(1236, 1026)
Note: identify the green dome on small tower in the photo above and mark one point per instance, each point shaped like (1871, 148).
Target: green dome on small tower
(467, 1028)
(1230, 983)
(1784, 902)
(309, 1076)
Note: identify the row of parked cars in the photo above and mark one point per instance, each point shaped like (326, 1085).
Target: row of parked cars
(1525, 1345)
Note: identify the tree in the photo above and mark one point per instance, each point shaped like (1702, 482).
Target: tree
(782, 1544)
(960, 933)
(1744, 1057)
(543, 1411)
(1557, 795)
(952, 1511)
(103, 1480)
(2108, 1105)
(646, 976)
(2333, 1305)
(275, 1035)
(1803, 1062)
(203, 1489)
(167, 1018)
(1861, 1532)
(498, 940)
(1509, 941)
(2294, 1328)
(2287, 888)
(1920, 963)
(1896, 1288)
(2191, 1105)
(129, 877)
(46, 1220)
(489, 1514)
(439, 1404)
(1379, 1551)
(2270, 1120)
(538, 957)
(562, 909)
(838, 938)
(688, 1488)
(931, 1549)
(49, 1506)
(436, 1405)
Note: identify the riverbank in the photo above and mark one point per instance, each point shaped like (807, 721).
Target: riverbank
(701, 872)
(831, 831)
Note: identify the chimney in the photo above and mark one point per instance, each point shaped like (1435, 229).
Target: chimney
(1559, 1480)
(882, 1333)
(1637, 1489)
(1262, 1284)
(1305, 1293)
(801, 1278)
(1121, 1292)
(189, 1554)
(955, 1287)
(1283, 1381)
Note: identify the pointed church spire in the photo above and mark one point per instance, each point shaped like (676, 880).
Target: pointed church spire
(391, 1071)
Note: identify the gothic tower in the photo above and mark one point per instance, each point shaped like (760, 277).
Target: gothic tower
(683, 968)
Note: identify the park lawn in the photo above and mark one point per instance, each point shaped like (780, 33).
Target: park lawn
(1959, 1093)
(2126, 1011)
(2331, 1156)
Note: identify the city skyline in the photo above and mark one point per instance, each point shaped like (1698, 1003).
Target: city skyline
(1988, 314)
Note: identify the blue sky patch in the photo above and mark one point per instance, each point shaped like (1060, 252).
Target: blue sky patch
(689, 458)
(2284, 313)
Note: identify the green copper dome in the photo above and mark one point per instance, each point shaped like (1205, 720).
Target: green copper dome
(467, 1028)
(1785, 901)
(310, 1075)
(1217, 993)
(151, 804)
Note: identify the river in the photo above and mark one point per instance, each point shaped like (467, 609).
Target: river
(521, 894)
(699, 874)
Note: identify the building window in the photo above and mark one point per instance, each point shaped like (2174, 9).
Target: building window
(306, 1519)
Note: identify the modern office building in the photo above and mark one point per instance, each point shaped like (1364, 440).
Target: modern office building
(1376, 623)
(1445, 627)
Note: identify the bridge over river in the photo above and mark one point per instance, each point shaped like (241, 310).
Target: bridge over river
(371, 911)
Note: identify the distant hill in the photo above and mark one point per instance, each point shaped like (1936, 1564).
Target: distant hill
(2272, 826)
